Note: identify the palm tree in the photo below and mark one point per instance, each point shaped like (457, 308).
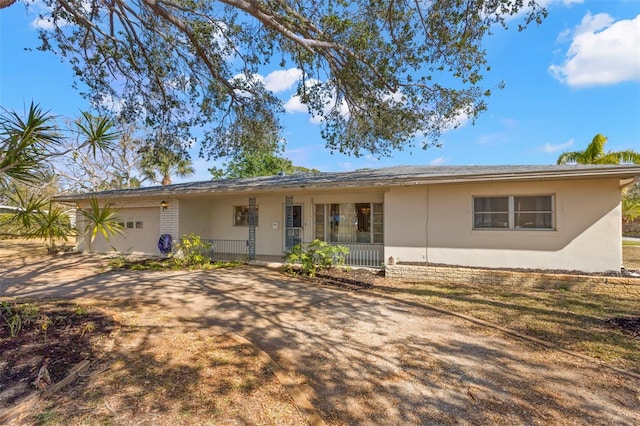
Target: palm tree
(27, 146)
(159, 164)
(594, 154)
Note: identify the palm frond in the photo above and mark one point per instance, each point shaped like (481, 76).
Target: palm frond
(102, 219)
(98, 131)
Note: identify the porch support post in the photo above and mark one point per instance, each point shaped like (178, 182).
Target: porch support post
(288, 214)
(252, 228)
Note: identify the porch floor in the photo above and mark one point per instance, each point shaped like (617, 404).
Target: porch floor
(270, 261)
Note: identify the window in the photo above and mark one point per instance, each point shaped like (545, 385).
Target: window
(241, 216)
(513, 212)
(139, 225)
(349, 222)
(129, 225)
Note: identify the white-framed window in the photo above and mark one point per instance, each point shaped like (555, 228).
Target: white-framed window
(241, 215)
(514, 212)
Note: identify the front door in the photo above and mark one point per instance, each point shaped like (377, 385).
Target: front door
(293, 234)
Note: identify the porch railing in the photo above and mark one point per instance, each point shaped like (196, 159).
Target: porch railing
(230, 250)
(360, 254)
(363, 254)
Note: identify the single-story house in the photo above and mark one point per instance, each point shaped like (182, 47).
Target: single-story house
(532, 217)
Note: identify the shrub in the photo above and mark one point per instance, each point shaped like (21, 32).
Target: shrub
(631, 229)
(191, 251)
(316, 256)
(16, 315)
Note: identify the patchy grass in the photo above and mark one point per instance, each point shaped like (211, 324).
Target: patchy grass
(631, 256)
(573, 320)
(125, 262)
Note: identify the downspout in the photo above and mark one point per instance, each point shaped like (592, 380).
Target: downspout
(426, 249)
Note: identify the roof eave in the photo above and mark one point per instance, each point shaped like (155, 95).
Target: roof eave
(614, 172)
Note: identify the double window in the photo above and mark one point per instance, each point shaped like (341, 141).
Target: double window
(241, 216)
(349, 222)
(513, 212)
(131, 225)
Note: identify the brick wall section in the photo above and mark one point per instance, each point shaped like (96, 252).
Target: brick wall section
(170, 220)
(461, 275)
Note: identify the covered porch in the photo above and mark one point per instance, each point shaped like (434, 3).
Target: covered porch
(266, 226)
(360, 254)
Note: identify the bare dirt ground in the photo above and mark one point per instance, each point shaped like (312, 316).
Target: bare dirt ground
(359, 359)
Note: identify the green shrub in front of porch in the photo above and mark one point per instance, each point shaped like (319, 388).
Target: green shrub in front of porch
(315, 256)
(191, 251)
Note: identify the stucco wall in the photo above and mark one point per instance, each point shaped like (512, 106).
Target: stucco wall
(586, 236)
(134, 241)
(195, 217)
(431, 224)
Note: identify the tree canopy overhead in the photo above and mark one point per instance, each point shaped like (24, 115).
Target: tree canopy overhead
(377, 72)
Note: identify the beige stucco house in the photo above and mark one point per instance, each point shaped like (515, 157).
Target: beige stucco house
(534, 217)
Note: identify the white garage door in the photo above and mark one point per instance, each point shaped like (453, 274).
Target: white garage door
(141, 233)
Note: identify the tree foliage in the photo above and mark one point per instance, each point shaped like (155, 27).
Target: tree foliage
(28, 146)
(159, 162)
(104, 220)
(377, 72)
(631, 203)
(264, 160)
(595, 154)
(84, 170)
(25, 144)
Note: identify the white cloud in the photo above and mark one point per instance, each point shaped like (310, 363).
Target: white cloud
(44, 20)
(438, 161)
(547, 3)
(113, 104)
(282, 80)
(549, 148)
(542, 3)
(294, 104)
(602, 52)
(458, 121)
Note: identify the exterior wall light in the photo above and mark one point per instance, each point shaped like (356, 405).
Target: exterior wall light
(164, 204)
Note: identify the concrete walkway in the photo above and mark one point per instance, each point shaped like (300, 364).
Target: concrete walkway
(362, 359)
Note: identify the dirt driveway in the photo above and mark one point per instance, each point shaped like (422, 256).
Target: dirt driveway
(359, 359)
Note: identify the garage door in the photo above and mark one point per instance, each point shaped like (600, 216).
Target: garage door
(141, 233)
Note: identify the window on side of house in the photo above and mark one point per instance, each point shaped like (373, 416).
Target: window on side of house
(349, 222)
(241, 215)
(513, 212)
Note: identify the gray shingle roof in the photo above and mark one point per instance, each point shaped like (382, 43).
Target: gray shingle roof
(384, 177)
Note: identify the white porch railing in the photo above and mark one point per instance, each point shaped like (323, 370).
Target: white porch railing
(230, 250)
(369, 255)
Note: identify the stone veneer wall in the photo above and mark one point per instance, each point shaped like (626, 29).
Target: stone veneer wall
(465, 275)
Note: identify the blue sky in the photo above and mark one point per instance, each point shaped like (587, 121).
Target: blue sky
(575, 75)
